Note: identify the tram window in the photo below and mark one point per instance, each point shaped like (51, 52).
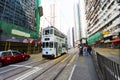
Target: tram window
(47, 45)
(63, 45)
(51, 44)
(51, 31)
(46, 32)
(43, 45)
(55, 44)
(43, 32)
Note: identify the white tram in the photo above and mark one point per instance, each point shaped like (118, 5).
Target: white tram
(54, 42)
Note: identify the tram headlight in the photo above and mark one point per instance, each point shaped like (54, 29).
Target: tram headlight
(50, 49)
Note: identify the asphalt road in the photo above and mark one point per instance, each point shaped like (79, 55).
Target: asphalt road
(38, 68)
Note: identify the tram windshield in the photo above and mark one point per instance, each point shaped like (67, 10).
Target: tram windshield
(47, 32)
(47, 44)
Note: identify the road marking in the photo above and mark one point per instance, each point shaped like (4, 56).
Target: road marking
(72, 72)
(21, 66)
(36, 69)
(55, 60)
(65, 59)
(15, 67)
(28, 66)
(73, 58)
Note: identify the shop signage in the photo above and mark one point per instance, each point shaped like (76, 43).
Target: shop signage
(105, 32)
(20, 33)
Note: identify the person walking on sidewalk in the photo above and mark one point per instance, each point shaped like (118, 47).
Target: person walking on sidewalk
(85, 50)
(89, 49)
(80, 50)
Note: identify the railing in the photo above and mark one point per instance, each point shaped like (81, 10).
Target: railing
(106, 68)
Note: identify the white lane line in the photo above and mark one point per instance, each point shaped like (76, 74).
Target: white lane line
(17, 65)
(28, 74)
(72, 72)
(22, 66)
(28, 66)
(14, 68)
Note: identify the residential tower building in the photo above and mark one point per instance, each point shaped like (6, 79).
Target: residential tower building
(103, 21)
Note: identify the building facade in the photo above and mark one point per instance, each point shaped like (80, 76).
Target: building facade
(80, 22)
(69, 44)
(103, 21)
(73, 38)
(77, 29)
(19, 19)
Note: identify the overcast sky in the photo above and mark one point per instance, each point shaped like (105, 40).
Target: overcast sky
(64, 16)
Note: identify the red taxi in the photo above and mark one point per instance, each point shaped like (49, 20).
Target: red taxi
(12, 56)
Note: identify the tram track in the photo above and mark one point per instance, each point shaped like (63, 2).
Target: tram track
(56, 66)
(44, 71)
(19, 69)
(19, 75)
(62, 69)
(38, 69)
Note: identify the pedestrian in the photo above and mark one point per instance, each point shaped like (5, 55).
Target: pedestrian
(85, 52)
(89, 49)
(80, 50)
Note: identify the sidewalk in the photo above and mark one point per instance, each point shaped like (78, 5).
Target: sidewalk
(113, 54)
(84, 69)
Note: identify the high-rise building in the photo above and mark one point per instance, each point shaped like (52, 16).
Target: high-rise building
(103, 21)
(92, 12)
(20, 19)
(77, 28)
(73, 38)
(80, 21)
(82, 18)
(69, 38)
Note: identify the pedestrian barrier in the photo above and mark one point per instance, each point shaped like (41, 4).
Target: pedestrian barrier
(105, 68)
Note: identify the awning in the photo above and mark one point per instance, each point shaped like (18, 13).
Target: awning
(107, 35)
(116, 40)
(107, 41)
(94, 38)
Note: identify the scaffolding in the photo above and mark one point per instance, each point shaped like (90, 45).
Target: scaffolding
(21, 14)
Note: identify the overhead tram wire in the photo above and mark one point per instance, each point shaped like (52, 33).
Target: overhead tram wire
(47, 20)
(63, 16)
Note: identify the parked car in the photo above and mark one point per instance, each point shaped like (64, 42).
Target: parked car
(12, 56)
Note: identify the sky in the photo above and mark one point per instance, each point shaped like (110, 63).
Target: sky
(64, 15)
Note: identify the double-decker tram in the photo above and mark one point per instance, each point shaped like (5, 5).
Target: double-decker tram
(54, 42)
